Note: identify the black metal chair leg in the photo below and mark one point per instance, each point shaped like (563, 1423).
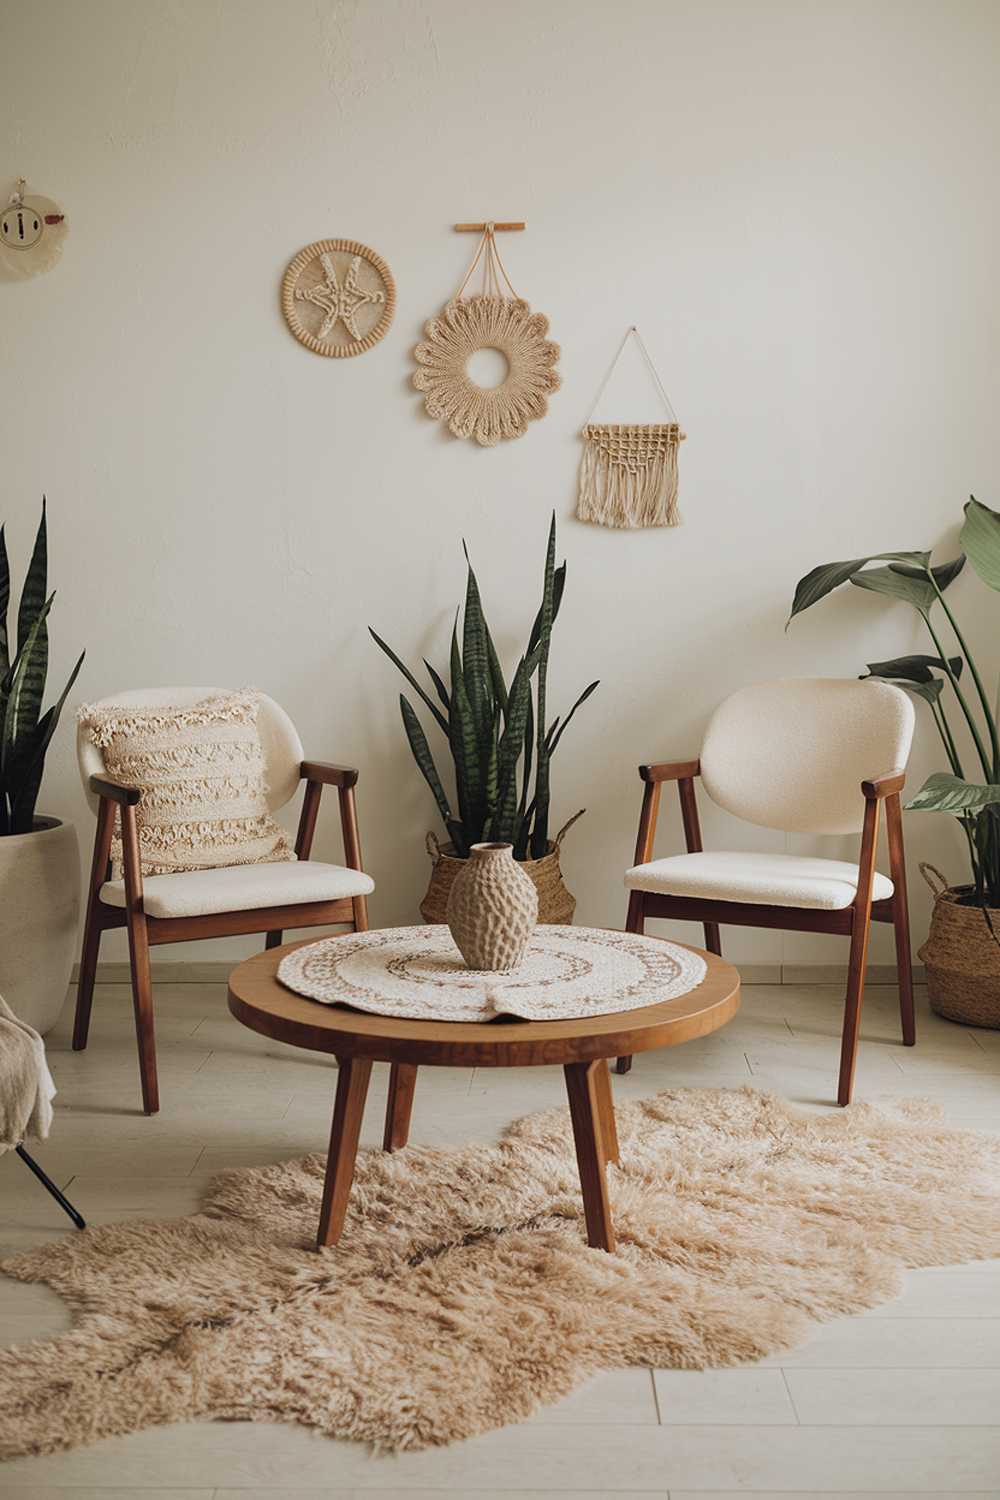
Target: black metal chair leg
(50, 1186)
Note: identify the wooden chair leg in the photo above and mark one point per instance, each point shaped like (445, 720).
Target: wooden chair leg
(142, 1004)
(852, 1006)
(92, 926)
(900, 918)
(635, 921)
(399, 1106)
(85, 986)
(584, 1108)
(273, 939)
(606, 1113)
(713, 938)
(348, 1109)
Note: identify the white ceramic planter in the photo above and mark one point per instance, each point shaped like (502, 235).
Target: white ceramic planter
(39, 919)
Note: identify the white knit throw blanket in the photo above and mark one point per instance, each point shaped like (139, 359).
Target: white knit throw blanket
(26, 1087)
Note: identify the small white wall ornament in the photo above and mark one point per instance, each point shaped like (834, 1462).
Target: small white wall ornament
(338, 297)
(32, 234)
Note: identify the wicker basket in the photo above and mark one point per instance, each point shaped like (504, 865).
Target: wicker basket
(962, 956)
(555, 903)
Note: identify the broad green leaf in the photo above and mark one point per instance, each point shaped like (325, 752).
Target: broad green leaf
(422, 755)
(896, 584)
(915, 668)
(414, 684)
(4, 602)
(980, 539)
(821, 581)
(33, 594)
(943, 792)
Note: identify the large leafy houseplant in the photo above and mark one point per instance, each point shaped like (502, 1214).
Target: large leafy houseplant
(499, 736)
(942, 682)
(25, 731)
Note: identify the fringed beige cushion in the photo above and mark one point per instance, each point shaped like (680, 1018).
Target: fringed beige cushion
(201, 773)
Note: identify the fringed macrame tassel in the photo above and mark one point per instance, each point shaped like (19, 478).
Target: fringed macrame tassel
(628, 475)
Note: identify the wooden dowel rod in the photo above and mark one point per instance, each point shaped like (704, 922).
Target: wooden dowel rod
(480, 228)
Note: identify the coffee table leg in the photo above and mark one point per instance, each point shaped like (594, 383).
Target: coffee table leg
(584, 1090)
(349, 1106)
(399, 1105)
(606, 1111)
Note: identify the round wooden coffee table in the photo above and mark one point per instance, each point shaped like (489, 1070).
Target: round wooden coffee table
(582, 1047)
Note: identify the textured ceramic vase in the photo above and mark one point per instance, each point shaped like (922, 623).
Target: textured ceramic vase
(39, 917)
(492, 909)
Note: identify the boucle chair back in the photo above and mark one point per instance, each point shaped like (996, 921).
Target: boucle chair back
(279, 738)
(792, 754)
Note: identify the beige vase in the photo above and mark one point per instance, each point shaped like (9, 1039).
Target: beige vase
(39, 917)
(492, 909)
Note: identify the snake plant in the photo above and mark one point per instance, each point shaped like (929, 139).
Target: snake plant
(25, 732)
(938, 678)
(499, 736)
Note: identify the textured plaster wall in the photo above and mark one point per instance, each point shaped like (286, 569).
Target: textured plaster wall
(795, 201)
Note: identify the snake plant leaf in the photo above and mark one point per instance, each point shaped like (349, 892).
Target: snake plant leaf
(475, 659)
(422, 755)
(518, 708)
(27, 778)
(4, 602)
(442, 691)
(980, 539)
(34, 592)
(943, 792)
(821, 581)
(414, 684)
(24, 695)
(562, 727)
(464, 742)
(915, 668)
(496, 672)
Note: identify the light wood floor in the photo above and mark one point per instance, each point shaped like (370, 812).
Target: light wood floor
(904, 1400)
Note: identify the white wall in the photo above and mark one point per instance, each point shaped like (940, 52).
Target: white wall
(795, 201)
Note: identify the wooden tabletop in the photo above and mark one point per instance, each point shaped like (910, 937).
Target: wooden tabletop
(258, 1000)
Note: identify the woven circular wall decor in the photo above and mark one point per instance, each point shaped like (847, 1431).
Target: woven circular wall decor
(488, 320)
(338, 297)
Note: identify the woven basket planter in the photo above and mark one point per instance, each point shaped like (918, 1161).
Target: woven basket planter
(961, 956)
(555, 903)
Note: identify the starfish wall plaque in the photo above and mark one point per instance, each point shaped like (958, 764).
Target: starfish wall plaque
(338, 297)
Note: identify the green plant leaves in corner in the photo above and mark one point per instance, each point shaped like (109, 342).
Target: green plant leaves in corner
(943, 792)
(915, 668)
(980, 540)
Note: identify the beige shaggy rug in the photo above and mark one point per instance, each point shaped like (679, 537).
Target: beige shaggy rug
(463, 1296)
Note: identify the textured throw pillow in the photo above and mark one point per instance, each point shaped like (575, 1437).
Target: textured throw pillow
(201, 773)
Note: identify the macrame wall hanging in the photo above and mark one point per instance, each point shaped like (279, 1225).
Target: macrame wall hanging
(489, 319)
(338, 297)
(628, 473)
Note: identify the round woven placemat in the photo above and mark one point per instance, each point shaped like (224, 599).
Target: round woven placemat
(338, 297)
(418, 974)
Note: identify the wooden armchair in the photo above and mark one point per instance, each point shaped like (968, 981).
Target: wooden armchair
(179, 908)
(791, 755)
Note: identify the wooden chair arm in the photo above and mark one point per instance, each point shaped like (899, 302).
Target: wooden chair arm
(670, 770)
(328, 775)
(115, 791)
(883, 786)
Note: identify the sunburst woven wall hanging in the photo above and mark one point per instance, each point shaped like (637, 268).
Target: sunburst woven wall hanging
(628, 472)
(338, 297)
(489, 319)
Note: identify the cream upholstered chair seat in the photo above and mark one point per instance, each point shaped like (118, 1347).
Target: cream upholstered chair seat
(756, 879)
(242, 888)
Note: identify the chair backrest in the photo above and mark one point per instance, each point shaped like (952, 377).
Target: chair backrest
(792, 754)
(278, 736)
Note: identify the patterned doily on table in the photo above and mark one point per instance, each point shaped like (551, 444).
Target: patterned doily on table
(417, 973)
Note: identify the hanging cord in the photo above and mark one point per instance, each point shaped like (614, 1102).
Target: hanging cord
(632, 332)
(487, 252)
